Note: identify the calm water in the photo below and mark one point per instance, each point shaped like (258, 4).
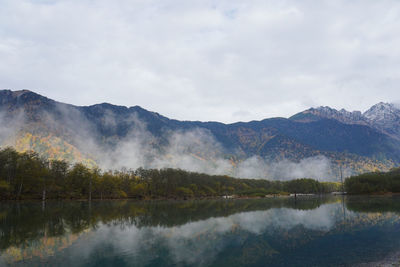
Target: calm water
(275, 232)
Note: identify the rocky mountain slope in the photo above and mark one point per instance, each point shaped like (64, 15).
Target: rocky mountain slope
(384, 117)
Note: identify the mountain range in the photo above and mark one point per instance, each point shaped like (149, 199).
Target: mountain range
(115, 136)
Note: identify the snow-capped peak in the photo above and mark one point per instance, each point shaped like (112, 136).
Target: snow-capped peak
(384, 117)
(383, 112)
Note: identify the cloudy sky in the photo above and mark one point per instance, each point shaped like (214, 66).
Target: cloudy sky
(225, 60)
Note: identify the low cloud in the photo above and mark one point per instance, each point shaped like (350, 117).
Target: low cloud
(197, 150)
(193, 149)
(318, 167)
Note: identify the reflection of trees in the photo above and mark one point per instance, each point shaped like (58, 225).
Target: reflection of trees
(21, 223)
(27, 222)
(248, 231)
(373, 204)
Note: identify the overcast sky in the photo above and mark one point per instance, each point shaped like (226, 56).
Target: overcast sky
(224, 60)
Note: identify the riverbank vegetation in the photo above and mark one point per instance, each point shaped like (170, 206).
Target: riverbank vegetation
(27, 176)
(374, 183)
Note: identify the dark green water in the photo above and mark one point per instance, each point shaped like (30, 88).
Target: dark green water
(329, 231)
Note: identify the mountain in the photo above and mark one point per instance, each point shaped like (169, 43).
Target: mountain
(113, 135)
(384, 117)
(344, 116)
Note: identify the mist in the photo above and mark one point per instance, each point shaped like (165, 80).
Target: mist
(194, 149)
(318, 167)
(198, 150)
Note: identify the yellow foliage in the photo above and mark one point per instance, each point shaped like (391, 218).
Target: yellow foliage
(52, 147)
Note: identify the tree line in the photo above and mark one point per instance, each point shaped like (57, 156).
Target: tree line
(374, 182)
(27, 176)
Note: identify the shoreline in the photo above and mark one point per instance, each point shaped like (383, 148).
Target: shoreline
(303, 196)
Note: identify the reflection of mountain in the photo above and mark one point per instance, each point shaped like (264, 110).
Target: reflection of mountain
(41, 248)
(134, 136)
(219, 233)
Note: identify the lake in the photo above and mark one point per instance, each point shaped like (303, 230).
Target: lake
(308, 231)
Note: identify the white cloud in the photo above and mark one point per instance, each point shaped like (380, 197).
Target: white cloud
(204, 60)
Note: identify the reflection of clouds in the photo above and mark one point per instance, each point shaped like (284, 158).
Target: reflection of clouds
(199, 242)
(318, 219)
(255, 233)
(2, 261)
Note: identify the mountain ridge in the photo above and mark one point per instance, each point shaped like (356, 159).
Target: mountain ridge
(384, 117)
(384, 109)
(344, 137)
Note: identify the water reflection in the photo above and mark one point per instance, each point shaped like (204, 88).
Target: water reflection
(279, 231)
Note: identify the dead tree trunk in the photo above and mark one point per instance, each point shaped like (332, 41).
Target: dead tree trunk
(20, 190)
(90, 189)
